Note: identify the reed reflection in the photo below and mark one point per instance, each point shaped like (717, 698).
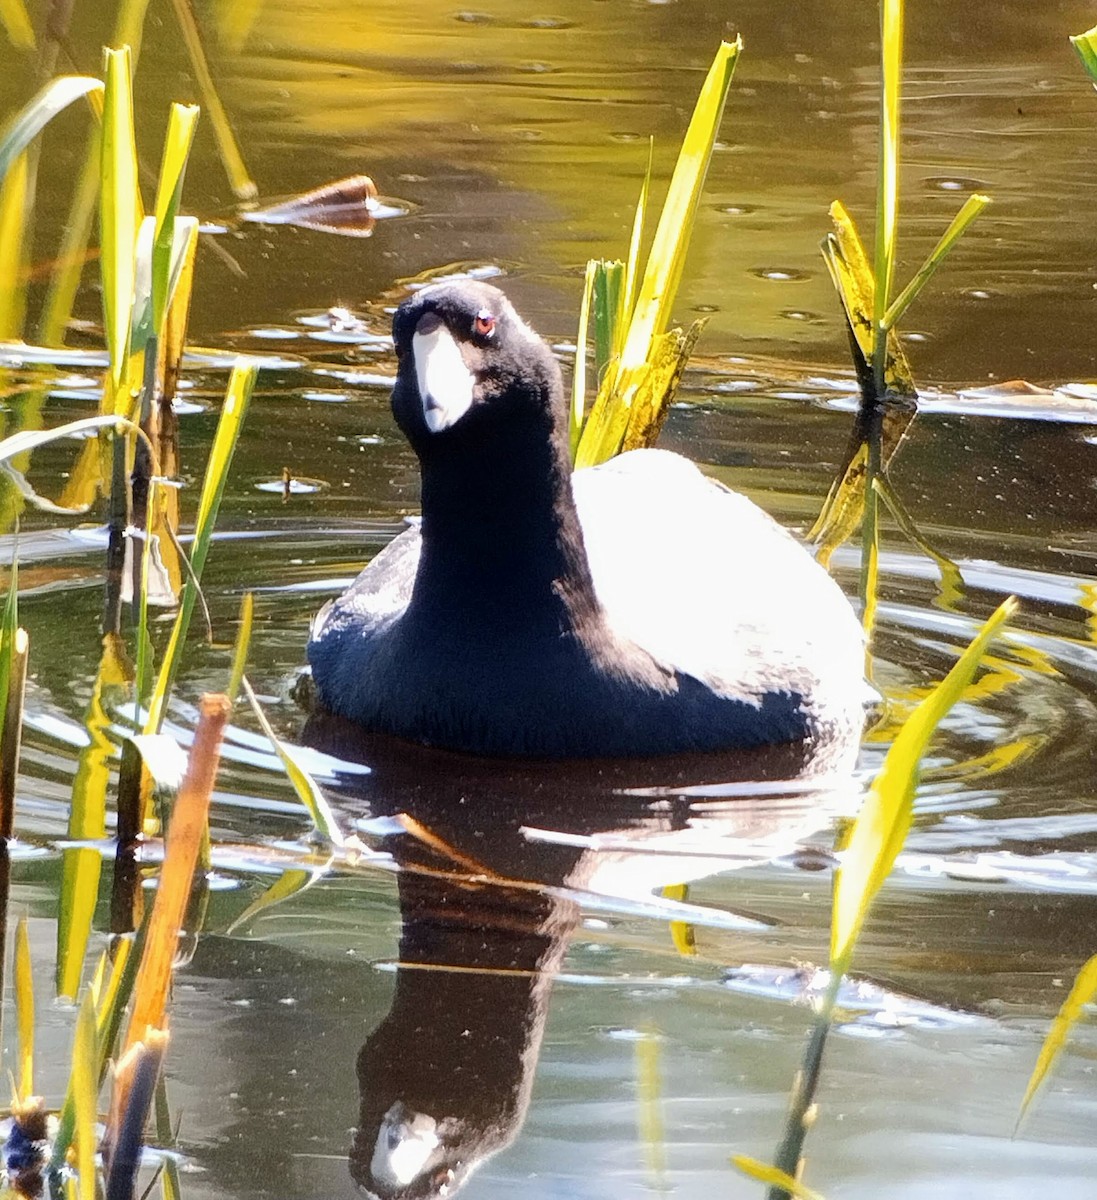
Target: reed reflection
(496, 858)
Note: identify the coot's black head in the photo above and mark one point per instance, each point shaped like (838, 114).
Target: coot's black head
(470, 369)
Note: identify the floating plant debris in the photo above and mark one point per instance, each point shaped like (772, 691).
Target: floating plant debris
(349, 207)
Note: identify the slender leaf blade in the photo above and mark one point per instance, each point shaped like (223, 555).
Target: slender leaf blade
(884, 819)
(773, 1176)
(173, 166)
(29, 122)
(24, 1007)
(1083, 992)
(16, 21)
(1086, 46)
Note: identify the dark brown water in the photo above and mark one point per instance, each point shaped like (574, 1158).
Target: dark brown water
(516, 135)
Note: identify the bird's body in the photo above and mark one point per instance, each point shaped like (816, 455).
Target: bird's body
(635, 608)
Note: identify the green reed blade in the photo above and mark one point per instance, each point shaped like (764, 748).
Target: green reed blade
(16, 22)
(307, 789)
(659, 285)
(16, 196)
(29, 122)
(607, 304)
(173, 166)
(1082, 993)
(237, 396)
(632, 263)
(290, 883)
(657, 291)
(31, 439)
(882, 824)
(240, 181)
(577, 410)
(775, 1177)
(240, 649)
(887, 178)
(119, 217)
(24, 1009)
(973, 206)
(1086, 46)
(85, 1090)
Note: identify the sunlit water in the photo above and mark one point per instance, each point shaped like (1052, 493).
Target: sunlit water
(515, 139)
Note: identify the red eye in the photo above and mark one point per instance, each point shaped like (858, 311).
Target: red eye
(484, 325)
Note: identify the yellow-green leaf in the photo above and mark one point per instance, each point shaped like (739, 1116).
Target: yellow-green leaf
(1086, 46)
(169, 191)
(16, 22)
(1083, 992)
(240, 181)
(764, 1173)
(119, 217)
(240, 650)
(24, 1006)
(884, 820)
(308, 792)
(85, 1089)
(29, 122)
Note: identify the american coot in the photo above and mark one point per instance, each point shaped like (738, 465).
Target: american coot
(635, 608)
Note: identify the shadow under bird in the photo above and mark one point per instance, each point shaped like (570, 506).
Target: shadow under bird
(635, 608)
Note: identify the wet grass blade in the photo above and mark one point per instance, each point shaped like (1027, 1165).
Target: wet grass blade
(119, 218)
(773, 1176)
(1086, 46)
(1082, 993)
(973, 206)
(85, 1091)
(240, 649)
(173, 166)
(24, 1008)
(13, 676)
(607, 299)
(887, 178)
(579, 375)
(289, 883)
(15, 198)
(29, 122)
(304, 785)
(185, 832)
(233, 412)
(884, 819)
(647, 322)
(16, 22)
(240, 181)
(632, 263)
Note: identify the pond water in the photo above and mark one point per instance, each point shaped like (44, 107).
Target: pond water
(575, 1033)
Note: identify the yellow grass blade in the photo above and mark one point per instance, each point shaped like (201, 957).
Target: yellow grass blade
(173, 166)
(240, 181)
(882, 824)
(29, 122)
(648, 320)
(666, 259)
(119, 219)
(1082, 993)
(188, 822)
(649, 1115)
(973, 206)
(1086, 46)
(85, 1090)
(14, 212)
(773, 1176)
(308, 792)
(579, 376)
(887, 181)
(16, 22)
(241, 384)
(24, 1007)
(240, 650)
(289, 883)
(632, 263)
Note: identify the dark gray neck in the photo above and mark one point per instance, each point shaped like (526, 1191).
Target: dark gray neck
(502, 544)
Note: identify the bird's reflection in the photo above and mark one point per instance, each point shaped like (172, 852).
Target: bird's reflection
(488, 909)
